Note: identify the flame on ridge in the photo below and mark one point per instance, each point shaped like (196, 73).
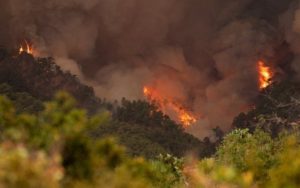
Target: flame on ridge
(185, 117)
(265, 75)
(26, 47)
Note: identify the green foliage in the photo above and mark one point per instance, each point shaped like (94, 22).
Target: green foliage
(22, 101)
(248, 152)
(174, 164)
(60, 146)
(287, 172)
(143, 121)
(20, 167)
(210, 173)
(54, 149)
(134, 137)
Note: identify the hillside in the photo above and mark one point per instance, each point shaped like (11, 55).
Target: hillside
(29, 81)
(277, 109)
(42, 78)
(52, 148)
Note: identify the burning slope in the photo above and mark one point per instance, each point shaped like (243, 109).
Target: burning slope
(184, 116)
(265, 75)
(177, 108)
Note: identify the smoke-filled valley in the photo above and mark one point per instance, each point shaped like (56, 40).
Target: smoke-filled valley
(201, 55)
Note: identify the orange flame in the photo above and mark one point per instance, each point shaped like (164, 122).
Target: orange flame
(26, 47)
(185, 117)
(265, 75)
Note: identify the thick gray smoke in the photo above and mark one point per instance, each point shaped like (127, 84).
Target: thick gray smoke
(202, 53)
(290, 23)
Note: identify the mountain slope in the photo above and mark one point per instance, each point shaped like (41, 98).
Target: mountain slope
(29, 80)
(42, 78)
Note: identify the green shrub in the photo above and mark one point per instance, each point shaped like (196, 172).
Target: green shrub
(248, 152)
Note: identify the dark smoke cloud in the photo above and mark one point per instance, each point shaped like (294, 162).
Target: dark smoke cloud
(199, 52)
(290, 23)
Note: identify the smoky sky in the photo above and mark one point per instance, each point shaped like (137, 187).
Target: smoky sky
(202, 53)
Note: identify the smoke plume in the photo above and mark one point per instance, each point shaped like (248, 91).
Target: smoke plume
(199, 52)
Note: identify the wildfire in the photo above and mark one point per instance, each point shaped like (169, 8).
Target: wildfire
(265, 75)
(26, 47)
(185, 117)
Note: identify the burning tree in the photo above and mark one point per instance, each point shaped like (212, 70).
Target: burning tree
(265, 75)
(26, 47)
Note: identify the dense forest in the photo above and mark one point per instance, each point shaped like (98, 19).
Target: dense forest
(50, 138)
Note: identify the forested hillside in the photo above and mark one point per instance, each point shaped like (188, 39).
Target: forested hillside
(277, 109)
(138, 125)
(42, 78)
(60, 146)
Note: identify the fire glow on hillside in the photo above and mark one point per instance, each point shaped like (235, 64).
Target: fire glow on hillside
(26, 47)
(265, 75)
(185, 117)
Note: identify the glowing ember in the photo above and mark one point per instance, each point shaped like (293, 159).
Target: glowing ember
(185, 117)
(265, 75)
(26, 47)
